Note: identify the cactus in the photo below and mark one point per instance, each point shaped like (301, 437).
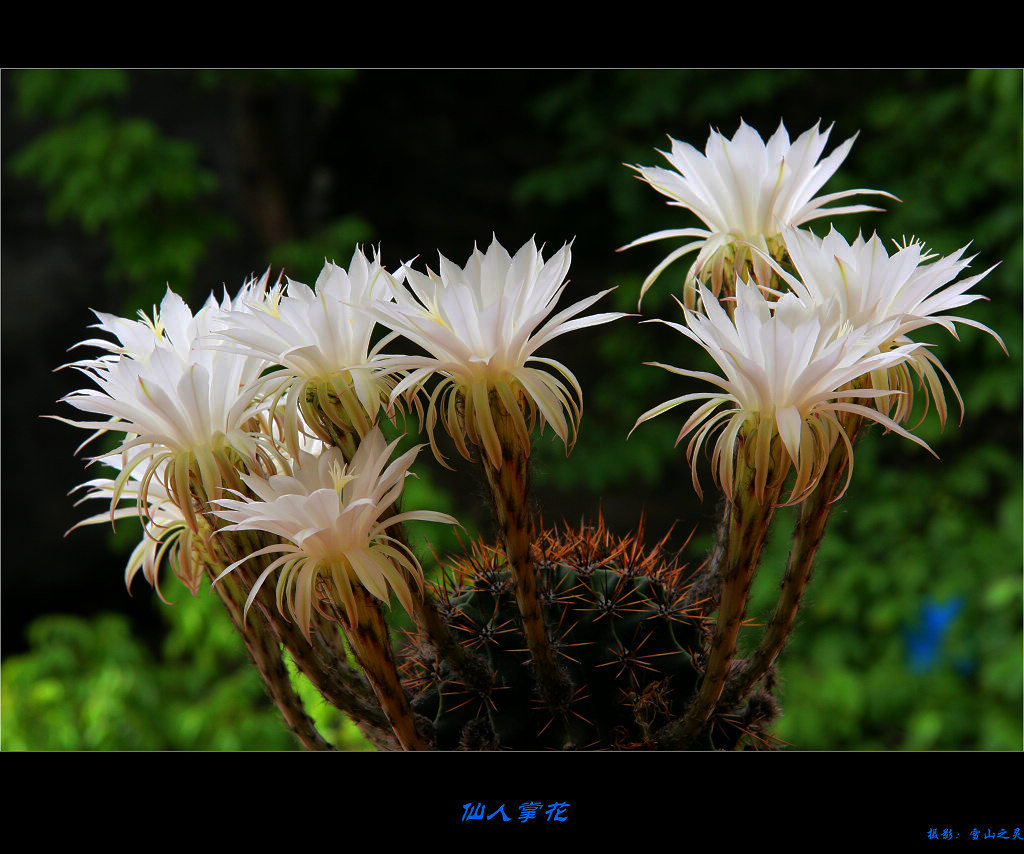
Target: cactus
(630, 648)
(254, 453)
(629, 645)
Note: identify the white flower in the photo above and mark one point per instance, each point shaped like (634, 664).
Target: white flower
(482, 326)
(335, 520)
(746, 191)
(320, 337)
(166, 536)
(869, 286)
(179, 406)
(786, 366)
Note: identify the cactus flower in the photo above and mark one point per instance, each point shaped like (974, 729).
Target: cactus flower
(867, 286)
(482, 325)
(181, 407)
(332, 517)
(320, 339)
(746, 191)
(786, 371)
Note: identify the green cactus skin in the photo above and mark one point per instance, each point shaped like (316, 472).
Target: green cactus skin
(633, 652)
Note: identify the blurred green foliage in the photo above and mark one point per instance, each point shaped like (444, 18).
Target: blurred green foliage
(333, 243)
(119, 175)
(326, 86)
(92, 685)
(911, 530)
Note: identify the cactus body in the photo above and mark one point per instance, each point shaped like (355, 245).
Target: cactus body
(631, 650)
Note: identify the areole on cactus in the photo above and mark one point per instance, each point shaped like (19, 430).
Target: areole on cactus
(251, 445)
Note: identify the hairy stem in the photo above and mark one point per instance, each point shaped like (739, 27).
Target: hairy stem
(265, 652)
(807, 536)
(749, 520)
(323, 662)
(510, 490)
(371, 642)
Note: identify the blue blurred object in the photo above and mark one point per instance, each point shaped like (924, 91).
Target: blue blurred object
(924, 641)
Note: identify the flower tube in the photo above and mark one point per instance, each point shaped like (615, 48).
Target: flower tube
(482, 326)
(778, 409)
(336, 551)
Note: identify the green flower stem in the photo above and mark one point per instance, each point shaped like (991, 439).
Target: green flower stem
(807, 536)
(368, 634)
(510, 492)
(264, 648)
(338, 683)
(324, 664)
(749, 520)
(323, 661)
(470, 667)
(265, 652)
